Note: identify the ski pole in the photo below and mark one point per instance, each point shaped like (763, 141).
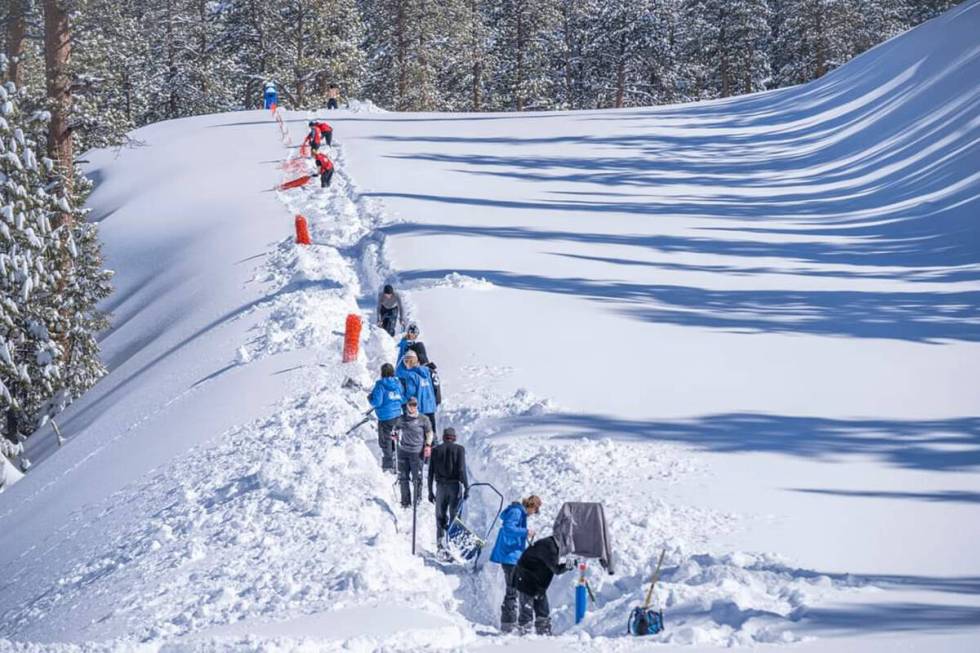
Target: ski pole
(367, 418)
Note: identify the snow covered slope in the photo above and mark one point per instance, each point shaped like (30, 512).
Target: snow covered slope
(750, 327)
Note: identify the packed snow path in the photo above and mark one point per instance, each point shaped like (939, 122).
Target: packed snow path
(747, 326)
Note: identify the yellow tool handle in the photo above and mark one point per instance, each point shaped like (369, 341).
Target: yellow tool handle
(656, 575)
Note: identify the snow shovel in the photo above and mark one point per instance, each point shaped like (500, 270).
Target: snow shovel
(295, 183)
(643, 620)
(466, 540)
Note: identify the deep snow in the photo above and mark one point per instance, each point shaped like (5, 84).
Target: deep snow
(750, 327)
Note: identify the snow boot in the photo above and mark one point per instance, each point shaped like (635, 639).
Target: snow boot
(542, 626)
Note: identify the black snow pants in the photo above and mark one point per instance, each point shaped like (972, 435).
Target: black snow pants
(389, 319)
(386, 443)
(325, 177)
(448, 496)
(409, 463)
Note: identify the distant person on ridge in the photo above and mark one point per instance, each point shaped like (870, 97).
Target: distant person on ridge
(511, 541)
(390, 312)
(269, 95)
(447, 468)
(388, 400)
(417, 381)
(411, 341)
(414, 446)
(333, 94)
(324, 167)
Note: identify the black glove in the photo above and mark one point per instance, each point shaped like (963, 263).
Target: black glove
(432, 498)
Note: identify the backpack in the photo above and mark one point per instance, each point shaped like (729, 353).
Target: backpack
(435, 382)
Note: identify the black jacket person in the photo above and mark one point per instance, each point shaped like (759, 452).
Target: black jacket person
(533, 574)
(447, 467)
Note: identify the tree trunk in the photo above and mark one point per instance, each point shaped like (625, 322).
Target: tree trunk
(57, 55)
(621, 73)
(400, 57)
(519, 76)
(173, 103)
(300, 82)
(16, 38)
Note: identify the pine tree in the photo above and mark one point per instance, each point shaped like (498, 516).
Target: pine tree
(321, 46)
(815, 37)
(51, 277)
(467, 64)
(525, 31)
(726, 46)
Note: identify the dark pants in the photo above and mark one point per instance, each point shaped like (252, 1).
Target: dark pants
(389, 319)
(332, 103)
(538, 607)
(386, 443)
(328, 138)
(409, 462)
(508, 609)
(448, 496)
(325, 177)
(532, 608)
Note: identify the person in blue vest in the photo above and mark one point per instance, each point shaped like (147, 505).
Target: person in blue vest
(270, 96)
(387, 398)
(417, 381)
(512, 539)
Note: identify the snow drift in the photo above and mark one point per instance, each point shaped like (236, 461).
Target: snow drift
(750, 327)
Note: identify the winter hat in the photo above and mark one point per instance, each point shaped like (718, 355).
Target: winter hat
(410, 354)
(412, 401)
(388, 289)
(413, 328)
(449, 434)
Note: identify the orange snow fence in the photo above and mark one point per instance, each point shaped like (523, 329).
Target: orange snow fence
(302, 231)
(295, 183)
(352, 337)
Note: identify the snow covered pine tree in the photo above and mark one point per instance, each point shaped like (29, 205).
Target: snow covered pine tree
(51, 278)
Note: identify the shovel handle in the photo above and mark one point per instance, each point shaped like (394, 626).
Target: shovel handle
(653, 583)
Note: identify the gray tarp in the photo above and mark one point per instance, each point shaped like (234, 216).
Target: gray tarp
(580, 529)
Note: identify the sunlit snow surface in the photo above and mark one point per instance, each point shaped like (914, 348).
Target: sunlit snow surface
(750, 327)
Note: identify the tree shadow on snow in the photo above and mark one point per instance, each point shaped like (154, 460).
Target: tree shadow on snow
(944, 445)
(912, 316)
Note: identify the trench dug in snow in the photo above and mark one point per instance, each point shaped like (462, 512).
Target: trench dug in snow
(711, 598)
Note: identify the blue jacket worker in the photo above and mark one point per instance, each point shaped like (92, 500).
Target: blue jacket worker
(511, 541)
(417, 381)
(387, 398)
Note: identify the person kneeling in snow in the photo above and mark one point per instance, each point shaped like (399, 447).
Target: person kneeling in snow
(414, 446)
(325, 167)
(532, 577)
(387, 399)
(448, 469)
(511, 541)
